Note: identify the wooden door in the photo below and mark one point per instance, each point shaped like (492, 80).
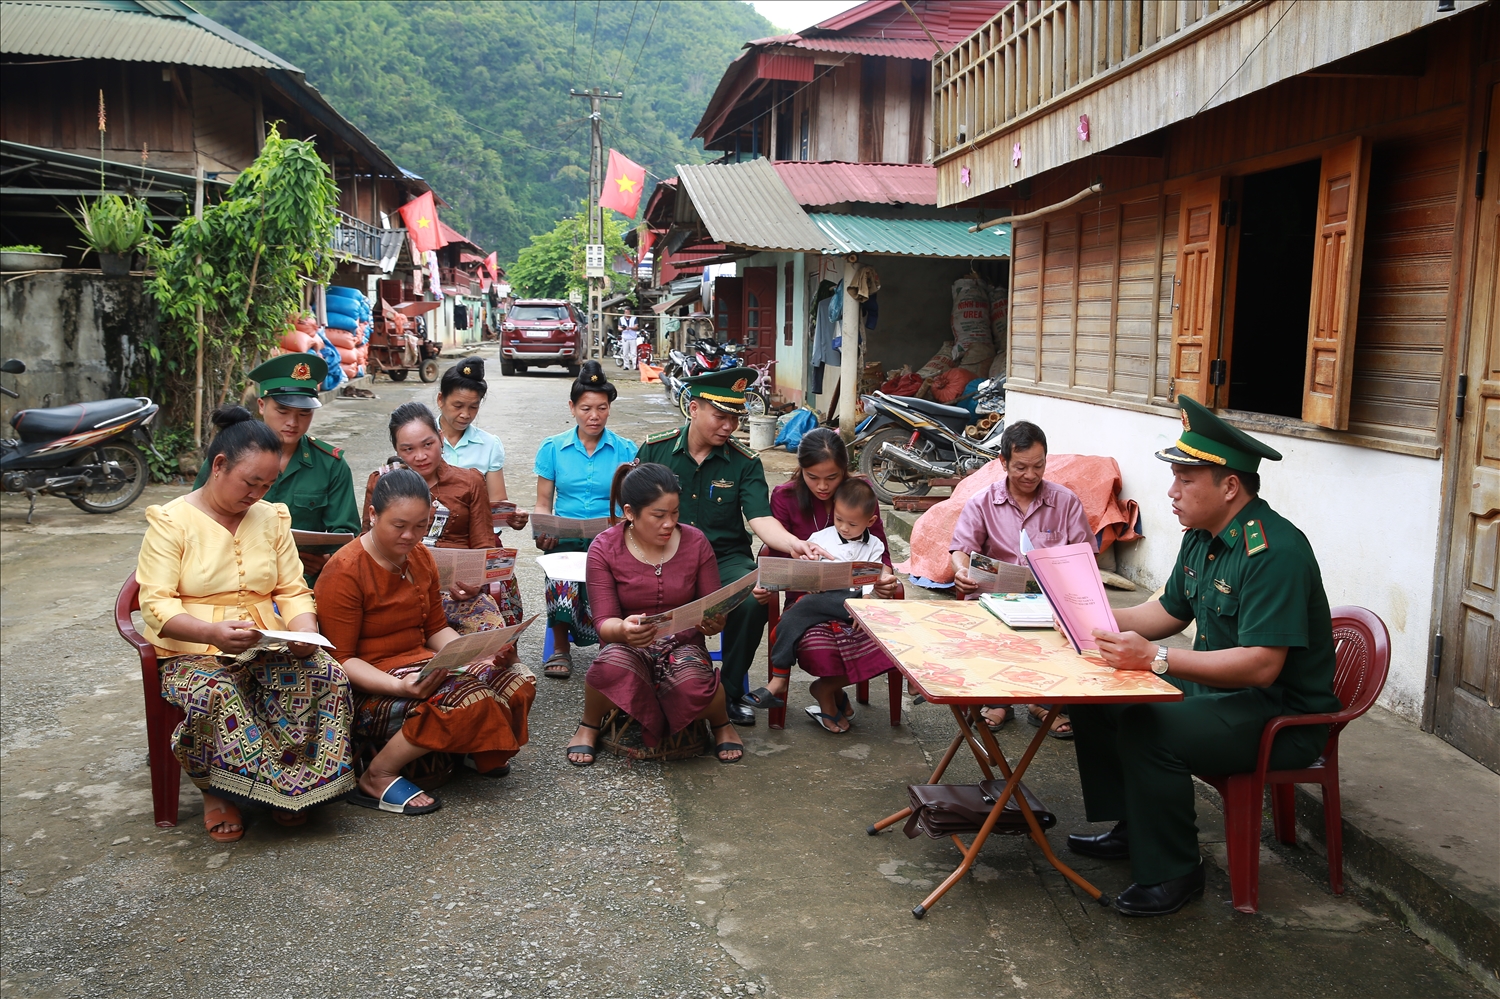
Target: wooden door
(1335, 284)
(729, 316)
(1198, 309)
(1468, 689)
(760, 315)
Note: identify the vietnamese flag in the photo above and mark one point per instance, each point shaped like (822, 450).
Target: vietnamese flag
(420, 216)
(623, 183)
(492, 264)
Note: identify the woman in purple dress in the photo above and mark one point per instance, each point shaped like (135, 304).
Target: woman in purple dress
(647, 565)
(837, 654)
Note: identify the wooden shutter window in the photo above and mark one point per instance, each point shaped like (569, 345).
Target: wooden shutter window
(786, 331)
(1335, 284)
(1195, 317)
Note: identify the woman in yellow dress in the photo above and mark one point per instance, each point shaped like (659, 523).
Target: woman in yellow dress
(268, 725)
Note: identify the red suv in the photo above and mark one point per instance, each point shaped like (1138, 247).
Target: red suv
(541, 331)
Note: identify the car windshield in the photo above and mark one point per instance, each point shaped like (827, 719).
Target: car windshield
(535, 313)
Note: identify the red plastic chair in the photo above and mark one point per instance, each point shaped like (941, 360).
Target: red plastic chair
(1363, 655)
(777, 716)
(161, 717)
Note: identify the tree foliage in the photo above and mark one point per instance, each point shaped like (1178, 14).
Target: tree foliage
(474, 96)
(244, 262)
(552, 265)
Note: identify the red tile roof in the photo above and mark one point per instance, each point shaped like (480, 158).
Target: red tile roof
(870, 183)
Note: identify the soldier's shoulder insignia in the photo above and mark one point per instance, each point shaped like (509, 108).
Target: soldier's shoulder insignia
(325, 447)
(744, 449)
(1255, 537)
(664, 435)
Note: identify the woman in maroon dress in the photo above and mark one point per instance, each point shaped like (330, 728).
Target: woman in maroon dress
(647, 565)
(837, 654)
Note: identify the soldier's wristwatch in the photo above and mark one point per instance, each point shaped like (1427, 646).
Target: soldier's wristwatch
(1159, 664)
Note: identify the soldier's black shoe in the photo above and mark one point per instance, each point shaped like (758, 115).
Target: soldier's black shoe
(1163, 899)
(741, 714)
(1113, 845)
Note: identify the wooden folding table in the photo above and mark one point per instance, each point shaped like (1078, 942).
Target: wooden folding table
(959, 654)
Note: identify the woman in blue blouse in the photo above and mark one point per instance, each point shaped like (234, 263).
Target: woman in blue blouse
(573, 475)
(460, 392)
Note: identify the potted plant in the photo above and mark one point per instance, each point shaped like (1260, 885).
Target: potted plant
(114, 228)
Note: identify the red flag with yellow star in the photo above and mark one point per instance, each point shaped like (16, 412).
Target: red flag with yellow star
(623, 183)
(420, 216)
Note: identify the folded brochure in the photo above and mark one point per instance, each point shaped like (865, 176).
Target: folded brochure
(1069, 576)
(808, 576)
(481, 645)
(270, 638)
(994, 576)
(690, 615)
(546, 525)
(473, 566)
(320, 538)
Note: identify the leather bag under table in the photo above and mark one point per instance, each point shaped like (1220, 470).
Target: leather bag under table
(942, 810)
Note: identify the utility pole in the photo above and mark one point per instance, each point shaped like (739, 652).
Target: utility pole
(594, 251)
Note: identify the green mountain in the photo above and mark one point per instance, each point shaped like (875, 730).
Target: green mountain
(473, 96)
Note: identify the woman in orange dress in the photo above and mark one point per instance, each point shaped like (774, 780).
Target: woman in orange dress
(463, 517)
(382, 610)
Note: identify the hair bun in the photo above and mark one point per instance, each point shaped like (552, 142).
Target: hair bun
(472, 367)
(228, 416)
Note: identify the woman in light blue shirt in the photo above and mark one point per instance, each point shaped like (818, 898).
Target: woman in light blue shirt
(573, 475)
(460, 392)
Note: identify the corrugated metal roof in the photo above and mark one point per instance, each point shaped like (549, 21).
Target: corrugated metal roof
(891, 48)
(832, 183)
(912, 237)
(126, 31)
(746, 204)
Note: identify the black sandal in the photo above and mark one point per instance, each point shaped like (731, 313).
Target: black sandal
(762, 699)
(581, 750)
(728, 747)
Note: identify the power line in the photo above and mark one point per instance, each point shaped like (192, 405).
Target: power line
(597, 4)
(643, 46)
(573, 45)
(623, 42)
(1243, 61)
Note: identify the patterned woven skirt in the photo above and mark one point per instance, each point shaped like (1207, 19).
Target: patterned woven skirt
(482, 711)
(568, 605)
(833, 649)
(663, 686)
(486, 612)
(266, 727)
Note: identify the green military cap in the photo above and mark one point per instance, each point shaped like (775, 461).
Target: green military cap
(292, 379)
(723, 389)
(1208, 440)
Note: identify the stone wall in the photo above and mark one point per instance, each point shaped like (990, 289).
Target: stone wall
(82, 336)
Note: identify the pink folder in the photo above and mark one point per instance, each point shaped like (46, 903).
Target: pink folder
(1069, 576)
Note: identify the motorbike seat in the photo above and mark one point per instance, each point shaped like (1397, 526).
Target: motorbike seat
(936, 409)
(37, 425)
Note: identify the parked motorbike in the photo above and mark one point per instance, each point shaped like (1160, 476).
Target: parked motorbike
(89, 453)
(905, 442)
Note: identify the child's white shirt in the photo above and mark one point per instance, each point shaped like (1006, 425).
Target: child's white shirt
(868, 550)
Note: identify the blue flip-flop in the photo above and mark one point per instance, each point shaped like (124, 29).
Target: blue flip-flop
(396, 798)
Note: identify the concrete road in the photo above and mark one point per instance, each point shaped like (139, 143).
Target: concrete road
(686, 879)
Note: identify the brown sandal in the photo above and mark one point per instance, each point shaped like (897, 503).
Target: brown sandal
(559, 666)
(221, 814)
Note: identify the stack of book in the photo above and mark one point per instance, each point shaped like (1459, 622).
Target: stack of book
(1019, 610)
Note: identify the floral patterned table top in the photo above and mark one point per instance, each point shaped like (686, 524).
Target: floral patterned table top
(957, 652)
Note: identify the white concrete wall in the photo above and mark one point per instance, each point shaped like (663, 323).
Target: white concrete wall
(1372, 517)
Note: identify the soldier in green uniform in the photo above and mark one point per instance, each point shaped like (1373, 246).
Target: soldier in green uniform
(1250, 580)
(723, 488)
(315, 482)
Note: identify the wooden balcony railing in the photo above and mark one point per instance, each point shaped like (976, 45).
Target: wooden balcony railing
(1037, 52)
(358, 240)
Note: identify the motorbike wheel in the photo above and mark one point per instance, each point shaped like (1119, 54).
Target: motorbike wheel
(429, 370)
(397, 374)
(683, 398)
(132, 463)
(888, 479)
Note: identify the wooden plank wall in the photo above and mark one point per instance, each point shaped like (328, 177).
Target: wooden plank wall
(867, 110)
(835, 124)
(142, 109)
(224, 125)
